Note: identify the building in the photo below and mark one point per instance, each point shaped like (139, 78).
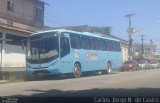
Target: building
(148, 51)
(157, 52)
(18, 19)
(124, 49)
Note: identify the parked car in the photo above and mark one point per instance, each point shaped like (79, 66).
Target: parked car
(154, 64)
(130, 65)
(144, 65)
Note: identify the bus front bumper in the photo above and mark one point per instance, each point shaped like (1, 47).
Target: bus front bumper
(38, 72)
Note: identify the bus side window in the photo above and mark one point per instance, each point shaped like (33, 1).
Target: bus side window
(85, 42)
(94, 43)
(113, 46)
(102, 45)
(109, 45)
(65, 47)
(119, 47)
(75, 41)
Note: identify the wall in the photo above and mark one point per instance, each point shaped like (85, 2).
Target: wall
(124, 50)
(149, 50)
(24, 9)
(24, 12)
(14, 56)
(124, 53)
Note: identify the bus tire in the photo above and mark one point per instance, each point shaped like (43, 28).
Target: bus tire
(77, 70)
(109, 68)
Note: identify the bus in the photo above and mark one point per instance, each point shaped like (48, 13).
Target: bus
(64, 51)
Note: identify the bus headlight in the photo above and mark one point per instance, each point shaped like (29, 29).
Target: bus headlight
(28, 67)
(54, 63)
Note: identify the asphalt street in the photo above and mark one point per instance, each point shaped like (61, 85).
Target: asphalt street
(138, 83)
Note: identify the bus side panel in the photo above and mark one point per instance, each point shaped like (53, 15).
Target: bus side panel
(83, 60)
(102, 55)
(116, 59)
(66, 63)
(76, 55)
(92, 60)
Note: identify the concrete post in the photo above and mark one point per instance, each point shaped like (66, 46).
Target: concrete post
(2, 53)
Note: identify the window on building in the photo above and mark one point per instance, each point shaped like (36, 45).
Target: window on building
(85, 42)
(39, 12)
(14, 40)
(39, 15)
(75, 41)
(10, 5)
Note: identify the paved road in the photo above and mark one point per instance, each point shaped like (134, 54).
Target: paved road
(139, 83)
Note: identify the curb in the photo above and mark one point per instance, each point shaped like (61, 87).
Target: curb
(4, 81)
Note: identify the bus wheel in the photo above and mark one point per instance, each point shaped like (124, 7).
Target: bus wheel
(77, 70)
(109, 68)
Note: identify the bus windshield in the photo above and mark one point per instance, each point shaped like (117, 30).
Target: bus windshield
(44, 47)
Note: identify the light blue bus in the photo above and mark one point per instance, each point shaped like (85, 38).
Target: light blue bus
(63, 51)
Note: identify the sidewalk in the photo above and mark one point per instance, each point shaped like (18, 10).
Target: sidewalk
(4, 81)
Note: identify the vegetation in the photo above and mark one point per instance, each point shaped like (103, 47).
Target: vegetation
(15, 79)
(85, 28)
(116, 70)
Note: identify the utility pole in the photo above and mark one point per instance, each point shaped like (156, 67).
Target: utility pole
(142, 39)
(130, 32)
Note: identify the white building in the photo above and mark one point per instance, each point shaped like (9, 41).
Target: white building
(18, 19)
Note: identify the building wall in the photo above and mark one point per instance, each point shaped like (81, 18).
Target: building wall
(11, 55)
(24, 9)
(14, 56)
(24, 12)
(23, 16)
(149, 50)
(124, 50)
(124, 54)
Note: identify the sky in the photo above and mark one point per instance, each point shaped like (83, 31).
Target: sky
(108, 13)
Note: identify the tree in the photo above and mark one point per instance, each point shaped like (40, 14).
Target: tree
(85, 28)
(101, 30)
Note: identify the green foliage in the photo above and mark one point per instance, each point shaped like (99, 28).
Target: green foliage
(85, 28)
(116, 70)
(101, 30)
(14, 79)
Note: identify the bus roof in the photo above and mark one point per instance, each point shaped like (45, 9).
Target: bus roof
(82, 33)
